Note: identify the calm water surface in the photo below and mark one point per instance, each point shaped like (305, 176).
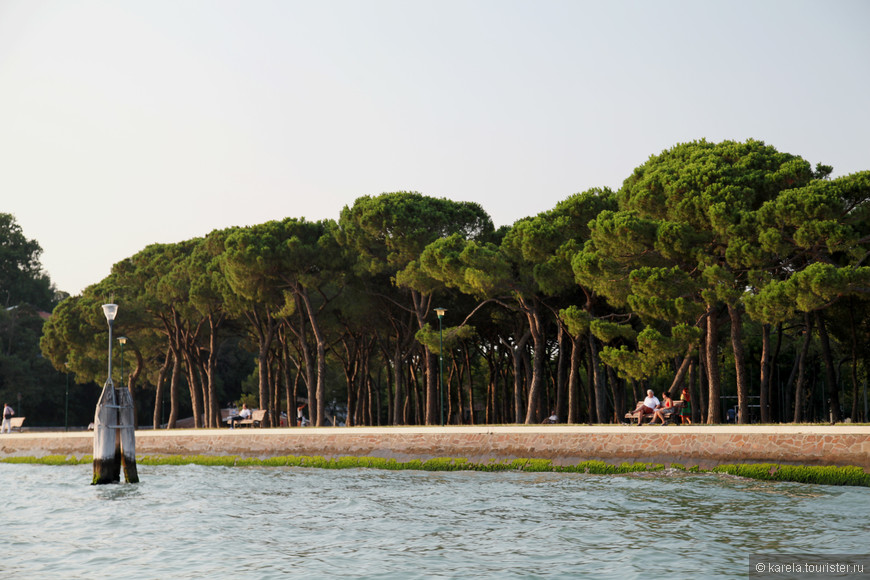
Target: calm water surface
(215, 522)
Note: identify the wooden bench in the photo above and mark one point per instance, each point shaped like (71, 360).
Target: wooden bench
(255, 420)
(16, 423)
(667, 413)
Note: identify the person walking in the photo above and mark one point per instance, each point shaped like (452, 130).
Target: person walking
(8, 413)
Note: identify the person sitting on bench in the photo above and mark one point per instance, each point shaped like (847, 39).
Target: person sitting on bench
(245, 413)
(649, 406)
(658, 414)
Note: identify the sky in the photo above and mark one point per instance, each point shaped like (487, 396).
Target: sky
(125, 123)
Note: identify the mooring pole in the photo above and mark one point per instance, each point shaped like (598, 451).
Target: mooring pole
(114, 426)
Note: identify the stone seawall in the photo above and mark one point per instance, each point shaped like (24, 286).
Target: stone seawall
(704, 446)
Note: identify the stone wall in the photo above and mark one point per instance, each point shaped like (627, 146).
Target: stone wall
(705, 446)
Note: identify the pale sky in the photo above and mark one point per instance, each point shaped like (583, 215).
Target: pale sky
(124, 123)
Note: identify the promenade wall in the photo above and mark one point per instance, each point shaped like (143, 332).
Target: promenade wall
(704, 446)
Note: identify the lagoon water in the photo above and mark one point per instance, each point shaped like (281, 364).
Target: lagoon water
(218, 522)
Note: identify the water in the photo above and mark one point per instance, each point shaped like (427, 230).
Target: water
(216, 522)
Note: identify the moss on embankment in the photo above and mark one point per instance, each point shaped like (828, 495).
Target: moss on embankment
(822, 475)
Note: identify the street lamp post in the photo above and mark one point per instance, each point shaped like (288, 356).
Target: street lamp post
(123, 341)
(110, 310)
(440, 312)
(66, 400)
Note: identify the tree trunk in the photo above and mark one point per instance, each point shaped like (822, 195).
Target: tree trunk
(562, 370)
(533, 410)
(398, 399)
(590, 379)
(764, 383)
(174, 386)
(574, 380)
(854, 365)
(157, 418)
(802, 363)
(681, 373)
(703, 388)
(617, 390)
(739, 363)
(516, 359)
(600, 415)
(471, 418)
(830, 371)
(714, 403)
(776, 391)
(215, 407)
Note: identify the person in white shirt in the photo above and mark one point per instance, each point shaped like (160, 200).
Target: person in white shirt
(650, 404)
(243, 414)
(8, 413)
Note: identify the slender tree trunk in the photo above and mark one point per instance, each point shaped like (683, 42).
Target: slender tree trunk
(320, 347)
(693, 390)
(574, 380)
(714, 408)
(854, 365)
(736, 316)
(471, 418)
(776, 391)
(174, 386)
(598, 380)
(533, 411)
(590, 380)
(703, 386)
(618, 391)
(291, 394)
(830, 371)
(194, 385)
(161, 387)
(563, 367)
(454, 393)
(680, 376)
(132, 380)
(802, 364)
(764, 383)
(516, 352)
(398, 401)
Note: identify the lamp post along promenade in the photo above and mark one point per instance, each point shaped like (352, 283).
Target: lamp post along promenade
(114, 426)
(440, 312)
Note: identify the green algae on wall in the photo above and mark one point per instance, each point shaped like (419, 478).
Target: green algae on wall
(823, 475)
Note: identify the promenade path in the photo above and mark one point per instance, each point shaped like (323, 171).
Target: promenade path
(702, 445)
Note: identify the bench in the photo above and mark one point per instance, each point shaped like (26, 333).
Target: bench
(668, 413)
(16, 423)
(255, 420)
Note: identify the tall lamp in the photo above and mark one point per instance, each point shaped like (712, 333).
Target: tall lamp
(66, 400)
(110, 310)
(440, 312)
(122, 340)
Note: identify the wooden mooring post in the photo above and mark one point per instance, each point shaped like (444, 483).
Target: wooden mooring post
(114, 427)
(114, 437)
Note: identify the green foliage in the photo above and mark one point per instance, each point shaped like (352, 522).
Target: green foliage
(22, 280)
(452, 337)
(607, 331)
(653, 349)
(576, 320)
(694, 229)
(812, 288)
